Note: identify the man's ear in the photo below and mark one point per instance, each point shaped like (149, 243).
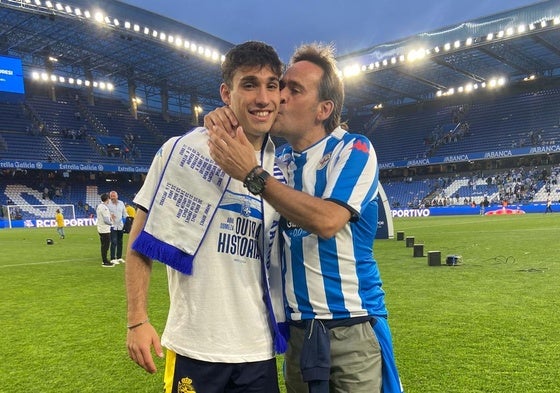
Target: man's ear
(225, 93)
(325, 109)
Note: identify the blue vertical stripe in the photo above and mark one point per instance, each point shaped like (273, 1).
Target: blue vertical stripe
(299, 275)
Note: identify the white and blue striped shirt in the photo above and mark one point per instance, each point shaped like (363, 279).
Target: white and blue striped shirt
(338, 277)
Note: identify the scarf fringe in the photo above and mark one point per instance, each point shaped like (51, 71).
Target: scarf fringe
(154, 248)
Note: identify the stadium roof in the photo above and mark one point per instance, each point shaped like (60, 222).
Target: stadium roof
(516, 46)
(119, 43)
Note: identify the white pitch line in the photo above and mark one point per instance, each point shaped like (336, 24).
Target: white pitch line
(45, 263)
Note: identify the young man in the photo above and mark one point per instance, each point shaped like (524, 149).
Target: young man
(216, 238)
(339, 336)
(118, 214)
(104, 224)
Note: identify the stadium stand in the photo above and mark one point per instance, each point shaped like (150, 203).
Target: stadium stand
(435, 148)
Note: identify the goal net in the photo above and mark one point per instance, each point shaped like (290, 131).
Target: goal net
(38, 212)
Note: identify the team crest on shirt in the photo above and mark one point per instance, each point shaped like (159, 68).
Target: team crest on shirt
(323, 161)
(185, 386)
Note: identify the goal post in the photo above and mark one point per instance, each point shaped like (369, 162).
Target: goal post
(38, 212)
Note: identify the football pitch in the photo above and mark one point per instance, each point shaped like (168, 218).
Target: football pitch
(488, 324)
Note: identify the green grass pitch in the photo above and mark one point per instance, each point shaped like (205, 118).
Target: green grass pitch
(489, 324)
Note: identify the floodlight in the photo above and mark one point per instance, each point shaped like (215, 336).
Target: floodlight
(98, 17)
(351, 70)
(35, 75)
(116, 22)
(136, 28)
(49, 4)
(127, 24)
(59, 6)
(68, 9)
(469, 41)
(457, 44)
(78, 12)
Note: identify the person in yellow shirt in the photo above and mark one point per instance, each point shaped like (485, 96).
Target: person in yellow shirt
(59, 218)
(131, 212)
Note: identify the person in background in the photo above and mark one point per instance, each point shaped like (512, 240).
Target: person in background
(59, 218)
(548, 206)
(131, 213)
(118, 214)
(339, 336)
(104, 224)
(216, 237)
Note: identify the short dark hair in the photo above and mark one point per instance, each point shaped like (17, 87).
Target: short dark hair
(104, 197)
(250, 54)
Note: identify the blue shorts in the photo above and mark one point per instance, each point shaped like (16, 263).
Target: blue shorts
(184, 374)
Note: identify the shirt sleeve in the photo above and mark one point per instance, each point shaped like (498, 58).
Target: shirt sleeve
(353, 175)
(144, 197)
